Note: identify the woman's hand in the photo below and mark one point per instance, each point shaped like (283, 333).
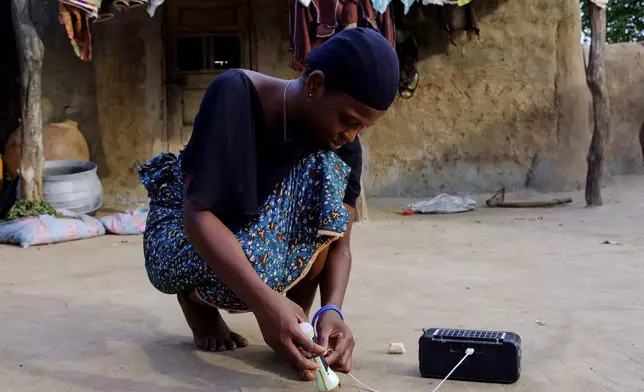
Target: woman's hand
(279, 320)
(334, 335)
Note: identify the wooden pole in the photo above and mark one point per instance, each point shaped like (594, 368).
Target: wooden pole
(596, 83)
(30, 52)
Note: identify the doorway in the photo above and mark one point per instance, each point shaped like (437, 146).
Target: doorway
(203, 39)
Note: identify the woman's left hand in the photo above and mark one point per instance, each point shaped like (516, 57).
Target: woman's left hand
(334, 335)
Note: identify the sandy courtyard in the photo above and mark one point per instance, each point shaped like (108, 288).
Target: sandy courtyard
(82, 316)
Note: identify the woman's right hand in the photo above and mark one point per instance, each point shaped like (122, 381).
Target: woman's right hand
(279, 318)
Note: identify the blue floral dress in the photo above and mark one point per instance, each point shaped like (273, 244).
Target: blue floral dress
(302, 215)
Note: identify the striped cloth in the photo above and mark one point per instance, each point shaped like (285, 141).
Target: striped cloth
(91, 7)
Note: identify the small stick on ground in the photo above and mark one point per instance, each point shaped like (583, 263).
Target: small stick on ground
(498, 201)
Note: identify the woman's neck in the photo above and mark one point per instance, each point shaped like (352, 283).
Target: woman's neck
(291, 116)
(275, 98)
(283, 110)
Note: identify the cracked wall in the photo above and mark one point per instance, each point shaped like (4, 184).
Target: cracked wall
(509, 109)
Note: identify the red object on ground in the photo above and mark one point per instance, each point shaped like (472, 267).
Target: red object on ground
(407, 213)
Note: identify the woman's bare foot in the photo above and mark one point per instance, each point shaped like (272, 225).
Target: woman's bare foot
(209, 329)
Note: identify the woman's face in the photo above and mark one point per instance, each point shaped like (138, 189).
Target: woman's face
(335, 118)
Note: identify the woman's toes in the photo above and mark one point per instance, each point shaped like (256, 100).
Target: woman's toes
(230, 344)
(219, 345)
(239, 340)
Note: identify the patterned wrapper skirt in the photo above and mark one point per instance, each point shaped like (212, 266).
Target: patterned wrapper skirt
(302, 216)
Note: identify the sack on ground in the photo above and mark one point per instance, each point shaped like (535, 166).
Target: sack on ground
(126, 223)
(444, 204)
(48, 229)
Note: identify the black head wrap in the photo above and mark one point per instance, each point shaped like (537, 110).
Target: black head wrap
(361, 63)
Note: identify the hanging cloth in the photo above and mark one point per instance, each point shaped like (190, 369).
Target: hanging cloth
(153, 5)
(106, 12)
(407, 50)
(407, 4)
(123, 4)
(91, 7)
(312, 25)
(138, 3)
(455, 19)
(381, 5)
(76, 24)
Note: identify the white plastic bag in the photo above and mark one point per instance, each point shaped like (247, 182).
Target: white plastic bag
(443, 204)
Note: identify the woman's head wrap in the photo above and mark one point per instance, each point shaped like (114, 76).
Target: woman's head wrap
(361, 63)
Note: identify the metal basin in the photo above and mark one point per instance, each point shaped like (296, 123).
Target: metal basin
(72, 185)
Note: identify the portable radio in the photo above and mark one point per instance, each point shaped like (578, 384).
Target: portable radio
(496, 357)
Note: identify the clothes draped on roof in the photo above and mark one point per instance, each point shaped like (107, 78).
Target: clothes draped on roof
(90, 7)
(153, 5)
(110, 7)
(407, 50)
(450, 17)
(311, 25)
(312, 22)
(76, 25)
(459, 18)
(76, 16)
(381, 5)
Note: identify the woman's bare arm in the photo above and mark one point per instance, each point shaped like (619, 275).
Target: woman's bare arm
(219, 248)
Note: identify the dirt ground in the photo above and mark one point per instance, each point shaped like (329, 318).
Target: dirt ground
(82, 316)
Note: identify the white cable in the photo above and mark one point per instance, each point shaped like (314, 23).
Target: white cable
(367, 387)
(468, 352)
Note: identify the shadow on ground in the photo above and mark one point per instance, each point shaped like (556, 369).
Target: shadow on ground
(90, 334)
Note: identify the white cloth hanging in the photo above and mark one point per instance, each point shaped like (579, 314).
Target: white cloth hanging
(91, 7)
(407, 4)
(305, 3)
(152, 7)
(381, 5)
